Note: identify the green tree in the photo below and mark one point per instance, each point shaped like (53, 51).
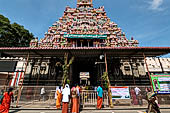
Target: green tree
(13, 35)
(66, 67)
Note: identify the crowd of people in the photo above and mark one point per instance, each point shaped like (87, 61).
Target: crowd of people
(136, 96)
(71, 96)
(67, 95)
(150, 96)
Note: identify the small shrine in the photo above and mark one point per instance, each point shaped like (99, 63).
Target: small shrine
(84, 26)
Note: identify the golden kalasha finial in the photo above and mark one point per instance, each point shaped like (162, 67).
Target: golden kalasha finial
(84, 1)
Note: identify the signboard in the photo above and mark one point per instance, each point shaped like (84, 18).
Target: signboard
(84, 75)
(120, 92)
(161, 83)
(7, 66)
(85, 36)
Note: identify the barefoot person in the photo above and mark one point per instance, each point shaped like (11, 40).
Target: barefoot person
(65, 100)
(99, 97)
(74, 100)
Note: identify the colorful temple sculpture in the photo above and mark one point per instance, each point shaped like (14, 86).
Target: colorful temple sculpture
(84, 26)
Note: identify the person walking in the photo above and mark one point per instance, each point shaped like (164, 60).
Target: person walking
(137, 90)
(74, 100)
(99, 97)
(65, 100)
(140, 99)
(133, 96)
(6, 101)
(42, 94)
(58, 98)
(152, 102)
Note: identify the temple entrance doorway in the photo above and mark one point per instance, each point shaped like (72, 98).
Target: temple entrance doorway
(84, 72)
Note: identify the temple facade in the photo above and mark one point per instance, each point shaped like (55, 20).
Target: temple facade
(50, 74)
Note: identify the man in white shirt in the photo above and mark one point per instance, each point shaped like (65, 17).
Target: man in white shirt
(65, 100)
(42, 93)
(137, 90)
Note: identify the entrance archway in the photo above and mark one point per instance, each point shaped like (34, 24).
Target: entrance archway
(85, 65)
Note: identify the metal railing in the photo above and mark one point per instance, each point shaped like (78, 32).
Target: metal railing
(89, 97)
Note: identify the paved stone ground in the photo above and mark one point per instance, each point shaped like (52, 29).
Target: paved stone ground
(86, 111)
(47, 107)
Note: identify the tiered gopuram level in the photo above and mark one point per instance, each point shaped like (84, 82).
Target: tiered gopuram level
(84, 26)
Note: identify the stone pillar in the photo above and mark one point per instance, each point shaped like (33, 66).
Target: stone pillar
(81, 41)
(88, 43)
(76, 43)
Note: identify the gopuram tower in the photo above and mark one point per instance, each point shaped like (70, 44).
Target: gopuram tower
(84, 26)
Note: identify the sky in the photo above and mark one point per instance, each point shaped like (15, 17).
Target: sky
(148, 21)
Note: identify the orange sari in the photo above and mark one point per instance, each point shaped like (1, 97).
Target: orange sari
(5, 105)
(58, 100)
(74, 106)
(99, 102)
(65, 107)
(78, 99)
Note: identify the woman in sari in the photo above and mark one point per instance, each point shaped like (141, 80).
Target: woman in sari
(74, 100)
(78, 96)
(59, 96)
(7, 97)
(133, 96)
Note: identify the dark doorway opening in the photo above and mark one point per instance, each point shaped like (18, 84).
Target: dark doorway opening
(91, 43)
(84, 43)
(84, 65)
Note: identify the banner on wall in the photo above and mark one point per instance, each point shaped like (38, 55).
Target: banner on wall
(120, 92)
(85, 36)
(161, 83)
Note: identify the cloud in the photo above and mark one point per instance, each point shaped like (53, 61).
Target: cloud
(155, 5)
